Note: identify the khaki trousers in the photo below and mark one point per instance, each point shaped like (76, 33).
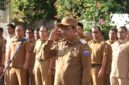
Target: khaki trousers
(18, 76)
(119, 81)
(94, 75)
(42, 76)
(6, 77)
(107, 79)
(31, 80)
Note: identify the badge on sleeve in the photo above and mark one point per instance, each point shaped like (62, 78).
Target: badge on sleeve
(86, 53)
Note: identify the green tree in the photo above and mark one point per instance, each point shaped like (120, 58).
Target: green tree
(96, 11)
(1, 4)
(29, 11)
(87, 9)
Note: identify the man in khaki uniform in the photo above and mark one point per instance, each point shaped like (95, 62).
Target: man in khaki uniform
(41, 65)
(112, 39)
(72, 56)
(120, 59)
(31, 43)
(99, 56)
(19, 65)
(11, 33)
(2, 54)
(112, 36)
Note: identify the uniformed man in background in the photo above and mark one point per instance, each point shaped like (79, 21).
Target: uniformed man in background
(31, 43)
(2, 54)
(41, 65)
(72, 55)
(120, 59)
(99, 56)
(112, 39)
(11, 34)
(19, 64)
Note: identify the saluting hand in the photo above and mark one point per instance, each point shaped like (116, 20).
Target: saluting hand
(53, 35)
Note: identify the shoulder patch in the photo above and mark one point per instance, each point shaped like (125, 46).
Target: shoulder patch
(83, 41)
(86, 53)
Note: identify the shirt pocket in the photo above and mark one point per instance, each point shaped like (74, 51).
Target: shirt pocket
(74, 56)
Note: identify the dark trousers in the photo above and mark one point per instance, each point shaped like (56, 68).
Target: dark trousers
(2, 81)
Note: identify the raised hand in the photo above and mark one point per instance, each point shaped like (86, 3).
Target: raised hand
(54, 34)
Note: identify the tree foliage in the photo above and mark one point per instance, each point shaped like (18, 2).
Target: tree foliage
(1, 4)
(89, 9)
(96, 11)
(30, 10)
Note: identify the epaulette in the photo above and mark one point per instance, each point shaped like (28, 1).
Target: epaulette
(83, 41)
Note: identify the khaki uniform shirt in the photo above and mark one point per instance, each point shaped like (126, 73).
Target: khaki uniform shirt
(110, 57)
(19, 60)
(72, 62)
(31, 44)
(8, 42)
(38, 49)
(120, 59)
(99, 49)
(110, 42)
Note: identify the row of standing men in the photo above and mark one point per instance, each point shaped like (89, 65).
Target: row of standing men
(66, 56)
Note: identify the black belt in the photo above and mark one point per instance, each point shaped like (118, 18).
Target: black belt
(94, 65)
(40, 60)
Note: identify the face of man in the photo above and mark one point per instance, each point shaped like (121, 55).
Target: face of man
(29, 34)
(96, 34)
(112, 35)
(79, 30)
(19, 31)
(10, 30)
(36, 34)
(43, 34)
(88, 36)
(69, 32)
(122, 34)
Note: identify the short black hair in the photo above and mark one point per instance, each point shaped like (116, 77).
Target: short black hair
(1, 29)
(98, 27)
(11, 25)
(44, 27)
(37, 29)
(80, 24)
(123, 27)
(30, 29)
(113, 29)
(22, 26)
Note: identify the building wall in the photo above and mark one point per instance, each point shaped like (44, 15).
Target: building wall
(6, 12)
